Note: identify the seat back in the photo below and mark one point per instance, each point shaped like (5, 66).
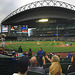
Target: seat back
(65, 61)
(64, 66)
(8, 66)
(72, 73)
(34, 73)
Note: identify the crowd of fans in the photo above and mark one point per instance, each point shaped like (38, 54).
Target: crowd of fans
(28, 62)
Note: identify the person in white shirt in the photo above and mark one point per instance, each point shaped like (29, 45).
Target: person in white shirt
(3, 40)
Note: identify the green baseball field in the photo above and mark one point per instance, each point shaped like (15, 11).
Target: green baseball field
(48, 46)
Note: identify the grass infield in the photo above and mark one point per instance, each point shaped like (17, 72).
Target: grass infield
(48, 46)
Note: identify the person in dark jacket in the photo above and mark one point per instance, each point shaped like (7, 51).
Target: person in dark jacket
(20, 50)
(23, 66)
(14, 55)
(40, 52)
(71, 68)
(30, 53)
(39, 57)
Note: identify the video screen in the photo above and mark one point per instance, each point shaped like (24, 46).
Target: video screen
(14, 28)
(24, 28)
(4, 28)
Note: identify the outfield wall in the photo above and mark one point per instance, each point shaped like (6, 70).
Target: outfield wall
(51, 38)
(26, 38)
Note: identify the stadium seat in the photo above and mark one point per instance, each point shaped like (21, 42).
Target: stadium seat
(72, 73)
(8, 66)
(47, 74)
(34, 73)
(66, 58)
(64, 66)
(65, 61)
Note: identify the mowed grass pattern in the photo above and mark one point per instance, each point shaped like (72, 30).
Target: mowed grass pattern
(48, 46)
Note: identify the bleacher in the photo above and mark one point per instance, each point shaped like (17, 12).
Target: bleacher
(9, 66)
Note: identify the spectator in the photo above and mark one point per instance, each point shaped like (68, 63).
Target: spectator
(69, 55)
(33, 62)
(30, 53)
(55, 68)
(40, 52)
(22, 66)
(44, 63)
(71, 68)
(13, 55)
(20, 50)
(51, 54)
(39, 57)
(45, 58)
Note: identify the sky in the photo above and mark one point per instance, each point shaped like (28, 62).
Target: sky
(7, 6)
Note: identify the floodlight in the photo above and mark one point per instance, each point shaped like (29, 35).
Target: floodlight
(43, 20)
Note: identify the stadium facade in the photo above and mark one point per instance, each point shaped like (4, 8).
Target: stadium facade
(49, 19)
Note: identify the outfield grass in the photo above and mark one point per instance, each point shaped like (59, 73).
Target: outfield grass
(48, 46)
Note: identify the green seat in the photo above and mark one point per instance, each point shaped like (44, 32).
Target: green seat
(34, 73)
(64, 66)
(47, 74)
(72, 73)
(8, 67)
(66, 58)
(65, 61)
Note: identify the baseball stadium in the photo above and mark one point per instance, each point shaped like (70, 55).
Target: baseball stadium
(45, 24)
(51, 22)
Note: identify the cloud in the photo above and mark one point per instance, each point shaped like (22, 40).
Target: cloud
(6, 6)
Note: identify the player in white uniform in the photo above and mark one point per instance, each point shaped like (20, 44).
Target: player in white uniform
(3, 40)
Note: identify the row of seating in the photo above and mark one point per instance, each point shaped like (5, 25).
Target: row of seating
(8, 66)
(12, 67)
(38, 73)
(62, 61)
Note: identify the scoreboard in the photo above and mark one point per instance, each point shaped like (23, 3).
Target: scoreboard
(15, 30)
